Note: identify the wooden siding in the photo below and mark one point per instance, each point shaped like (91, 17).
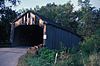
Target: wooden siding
(57, 38)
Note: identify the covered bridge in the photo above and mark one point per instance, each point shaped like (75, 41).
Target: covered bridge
(32, 29)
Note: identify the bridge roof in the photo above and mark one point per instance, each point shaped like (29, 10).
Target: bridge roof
(48, 22)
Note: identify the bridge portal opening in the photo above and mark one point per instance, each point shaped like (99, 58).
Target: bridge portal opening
(28, 35)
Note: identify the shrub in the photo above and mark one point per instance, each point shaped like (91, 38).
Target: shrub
(45, 57)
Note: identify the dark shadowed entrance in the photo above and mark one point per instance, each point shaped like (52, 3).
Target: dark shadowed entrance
(28, 35)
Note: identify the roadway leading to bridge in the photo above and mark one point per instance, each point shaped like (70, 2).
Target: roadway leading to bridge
(10, 56)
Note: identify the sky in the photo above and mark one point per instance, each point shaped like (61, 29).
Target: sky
(32, 3)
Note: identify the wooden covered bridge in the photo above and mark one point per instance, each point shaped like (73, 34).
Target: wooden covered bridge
(32, 29)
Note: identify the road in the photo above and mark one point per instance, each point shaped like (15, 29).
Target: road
(10, 56)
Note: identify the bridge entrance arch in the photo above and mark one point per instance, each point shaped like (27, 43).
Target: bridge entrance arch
(27, 30)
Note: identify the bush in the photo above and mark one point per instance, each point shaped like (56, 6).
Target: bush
(45, 57)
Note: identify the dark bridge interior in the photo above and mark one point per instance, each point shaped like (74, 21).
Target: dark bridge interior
(28, 35)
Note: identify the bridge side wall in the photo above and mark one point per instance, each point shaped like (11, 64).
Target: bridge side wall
(58, 38)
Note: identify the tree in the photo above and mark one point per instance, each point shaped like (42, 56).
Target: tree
(62, 15)
(85, 3)
(91, 44)
(7, 15)
(13, 2)
(87, 18)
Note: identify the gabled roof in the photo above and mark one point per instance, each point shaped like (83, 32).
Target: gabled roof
(49, 22)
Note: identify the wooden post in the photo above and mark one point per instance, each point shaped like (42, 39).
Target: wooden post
(28, 18)
(25, 19)
(41, 22)
(33, 18)
(56, 58)
(12, 33)
(44, 34)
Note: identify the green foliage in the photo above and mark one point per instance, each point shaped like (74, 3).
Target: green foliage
(88, 45)
(7, 16)
(84, 3)
(45, 57)
(63, 15)
(88, 19)
(47, 54)
(91, 44)
(13, 2)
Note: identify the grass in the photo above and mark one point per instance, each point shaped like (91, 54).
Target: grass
(46, 58)
(22, 60)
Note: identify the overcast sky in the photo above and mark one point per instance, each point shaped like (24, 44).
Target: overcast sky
(32, 3)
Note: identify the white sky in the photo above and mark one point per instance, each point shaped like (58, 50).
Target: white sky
(32, 3)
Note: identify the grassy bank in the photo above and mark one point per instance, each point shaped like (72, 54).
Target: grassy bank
(46, 57)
